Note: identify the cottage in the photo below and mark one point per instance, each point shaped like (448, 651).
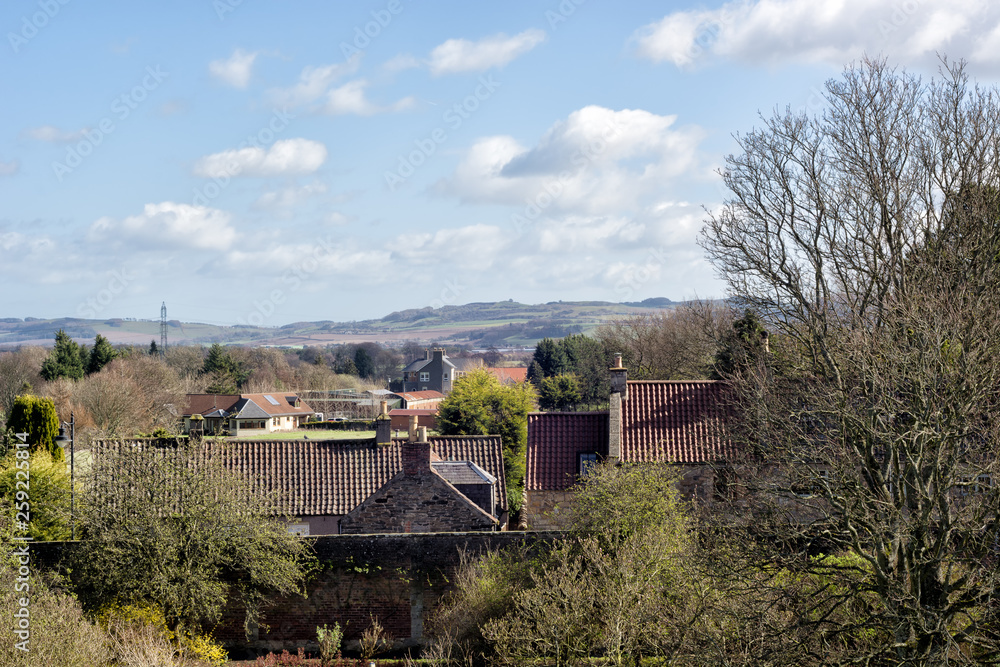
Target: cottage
(678, 423)
(263, 413)
(320, 482)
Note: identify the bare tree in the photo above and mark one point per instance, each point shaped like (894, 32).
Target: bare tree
(867, 239)
(676, 344)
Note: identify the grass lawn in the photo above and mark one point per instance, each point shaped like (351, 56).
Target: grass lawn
(312, 435)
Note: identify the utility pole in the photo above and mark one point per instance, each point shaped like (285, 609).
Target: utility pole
(163, 329)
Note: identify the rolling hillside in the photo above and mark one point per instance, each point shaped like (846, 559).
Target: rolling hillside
(503, 323)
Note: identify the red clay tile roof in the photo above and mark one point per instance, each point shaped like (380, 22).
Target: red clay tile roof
(284, 403)
(332, 477)
(555, 441)
(510, 374)
(201, 404)
(674, 422)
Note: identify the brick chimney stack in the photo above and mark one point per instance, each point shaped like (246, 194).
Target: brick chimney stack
(619, 378)
(383, 425)
(417, 455)
(619, 393)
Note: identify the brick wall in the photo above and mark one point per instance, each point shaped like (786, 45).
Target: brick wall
(400, 579)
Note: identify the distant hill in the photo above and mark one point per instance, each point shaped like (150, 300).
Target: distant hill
(503, 323)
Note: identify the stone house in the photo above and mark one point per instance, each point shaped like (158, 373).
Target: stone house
(434, 372)
(677, 423)
(427, 496)
(319, 482)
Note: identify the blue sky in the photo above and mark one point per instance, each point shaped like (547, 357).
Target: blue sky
(262, 162)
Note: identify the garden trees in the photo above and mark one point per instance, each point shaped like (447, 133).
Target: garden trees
(49, 494)
(677, 344)
(623, 584)
(226, 375)
(559, 392)
(37, 417)
(480, 404)
(18, 374)
(578, 356)
(137, 394)
(67, 359)
(100, 355)
(867, 239)
(166, 525)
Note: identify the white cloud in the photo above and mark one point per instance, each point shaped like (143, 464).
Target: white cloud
(470, 247)
(403, 61)
(314, 82)
(289, 197)
(287, 156)
(51, 134)
(596, 162)
(169, 224)
(350, 99)
(767, 31)
(337, 219)
(9, 168)
(462, 55)
(236, 70)
(305, 264)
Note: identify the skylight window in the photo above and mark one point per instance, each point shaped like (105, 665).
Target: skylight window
(271, 399)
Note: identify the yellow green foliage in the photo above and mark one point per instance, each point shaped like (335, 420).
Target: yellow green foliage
(188, 644)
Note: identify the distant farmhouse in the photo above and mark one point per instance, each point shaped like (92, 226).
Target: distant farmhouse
(245, 414)
(434, 372)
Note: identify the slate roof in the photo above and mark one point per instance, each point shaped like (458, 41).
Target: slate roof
(674, 422)
(462, 472)
(555, 441)
(248, 409)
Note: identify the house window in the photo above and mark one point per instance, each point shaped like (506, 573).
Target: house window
(975, 486)
(445, 377)
(300, 529)
(425, 377)
(587, 463)
(726, 485)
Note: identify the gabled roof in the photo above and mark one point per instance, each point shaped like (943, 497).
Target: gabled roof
(415, 366)
(279, 404)
(555, 441)
(202, 404)
(248, 409)
(332, 477)
(675, 422)
(507, 375)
